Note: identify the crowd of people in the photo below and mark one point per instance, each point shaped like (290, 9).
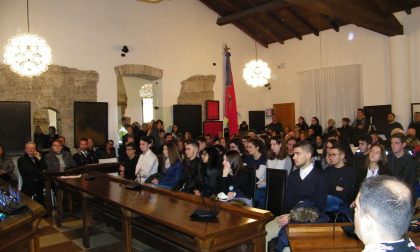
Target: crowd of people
(324, 172)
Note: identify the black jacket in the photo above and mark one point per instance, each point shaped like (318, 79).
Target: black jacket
(192, 179)
(404, 168)
(31, 172)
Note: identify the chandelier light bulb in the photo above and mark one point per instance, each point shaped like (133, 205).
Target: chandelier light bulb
(27, 54)
(146, 91)
(256, 73)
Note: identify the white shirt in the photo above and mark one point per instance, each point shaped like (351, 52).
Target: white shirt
(373, 173)
(280, 164)
(305, 172)
(146, 166)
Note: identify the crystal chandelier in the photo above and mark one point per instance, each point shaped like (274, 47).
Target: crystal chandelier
(146, 91)
(27, 54)
(256, 72)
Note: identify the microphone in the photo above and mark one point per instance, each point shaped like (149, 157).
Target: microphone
(206, 214)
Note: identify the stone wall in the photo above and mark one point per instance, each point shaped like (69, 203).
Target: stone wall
(196, 90)
(57, 89)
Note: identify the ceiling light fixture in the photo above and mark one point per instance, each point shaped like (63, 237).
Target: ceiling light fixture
(27, 54)
(256, 72)
(146, 91)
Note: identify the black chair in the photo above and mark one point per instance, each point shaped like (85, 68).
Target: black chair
(253, 185)
(276, 187)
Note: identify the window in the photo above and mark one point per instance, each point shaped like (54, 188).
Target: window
(147, 109)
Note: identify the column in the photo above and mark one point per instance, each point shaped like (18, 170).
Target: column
(400, 79)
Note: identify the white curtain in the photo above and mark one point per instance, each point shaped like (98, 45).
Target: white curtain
(333, 92)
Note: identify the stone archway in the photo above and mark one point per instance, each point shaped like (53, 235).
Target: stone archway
(132, 70)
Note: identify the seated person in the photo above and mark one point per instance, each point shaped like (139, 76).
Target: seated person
(375, 165)
(148, 162)
(402, 165)
(83, 155)
(341, 180)
(211, 171)
(57, 160)
(383, 213)
(108, 151)
(191, 182)
(359, 158)
(128, 164)
(277, 157)
(257, 161)
(172, 167)
(94, 150)
(237, 181)
(30, 168)
(7, 168)
(305, 184)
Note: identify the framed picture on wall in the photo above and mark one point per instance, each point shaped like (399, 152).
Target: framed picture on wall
(213, 128)
(415, 107)
(91, 121)
(212, 110)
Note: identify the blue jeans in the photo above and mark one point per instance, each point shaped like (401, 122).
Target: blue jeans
(260, 195)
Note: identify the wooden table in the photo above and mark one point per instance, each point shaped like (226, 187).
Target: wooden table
(166, 215)
(49, 178)
(321, 237)
(19, 232)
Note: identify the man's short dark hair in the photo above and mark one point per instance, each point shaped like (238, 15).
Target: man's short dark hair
(400, 136)
(192, 142)
(361, 110)
(83, 139)
(305, 145)
(365, 138)
(339, 147)
(346, 119)
(130, 144)
(390, 113)
(201, 139)
(389, 206)
(146, 139)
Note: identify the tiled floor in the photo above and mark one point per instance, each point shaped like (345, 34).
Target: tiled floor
(68, 238)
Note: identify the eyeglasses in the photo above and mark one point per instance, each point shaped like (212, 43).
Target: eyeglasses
(204, 154)
(130, 149)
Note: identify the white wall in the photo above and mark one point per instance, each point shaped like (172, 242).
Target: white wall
(182, 38)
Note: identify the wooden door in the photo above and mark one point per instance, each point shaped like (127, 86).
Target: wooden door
(285, 114)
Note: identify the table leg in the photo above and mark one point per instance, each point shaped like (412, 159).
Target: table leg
(259, 244)
(86, 241)
(59, 214)
(126, 226)
(204, 245)
(47, 201)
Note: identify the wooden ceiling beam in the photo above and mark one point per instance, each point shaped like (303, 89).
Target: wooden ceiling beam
(252, 35)
(384, 6)
(256, 37)
(277, 20)
(243, 14)
(302, 20)
(405, 5)
(267, 31)
(351, 13)
(332, 23)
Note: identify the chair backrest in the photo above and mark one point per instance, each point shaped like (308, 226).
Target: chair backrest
(276, 187)
(252, 184)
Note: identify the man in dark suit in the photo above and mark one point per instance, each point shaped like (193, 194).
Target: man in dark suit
(30, 168)
(83, 155)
